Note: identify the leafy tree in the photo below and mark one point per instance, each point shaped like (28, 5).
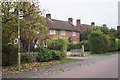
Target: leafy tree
(96, 41)
(31, 23)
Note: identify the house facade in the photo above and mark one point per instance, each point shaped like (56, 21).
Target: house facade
(65, 29)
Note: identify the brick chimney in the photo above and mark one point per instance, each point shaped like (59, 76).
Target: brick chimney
(78, 22)
(70, 20)
(92, 24)
(48, 16)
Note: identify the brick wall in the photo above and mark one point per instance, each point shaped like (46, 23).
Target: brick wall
(67, 35)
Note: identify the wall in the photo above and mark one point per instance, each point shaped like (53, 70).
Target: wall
(68, 34)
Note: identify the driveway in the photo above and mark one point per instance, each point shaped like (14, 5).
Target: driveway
(95, 66)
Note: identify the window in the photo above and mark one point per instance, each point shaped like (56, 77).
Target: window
(52, 32)
(74, 33)
(63, 32)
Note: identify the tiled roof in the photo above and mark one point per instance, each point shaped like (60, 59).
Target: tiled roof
(60, 25)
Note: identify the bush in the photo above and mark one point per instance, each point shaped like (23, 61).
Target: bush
(44, 55)
(118, 44)
(57, 44)
(56, 55)
(9, 55)
(74, 46)
(25, 58)
(96, 39)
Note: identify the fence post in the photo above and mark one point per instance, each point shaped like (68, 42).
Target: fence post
(82, 50)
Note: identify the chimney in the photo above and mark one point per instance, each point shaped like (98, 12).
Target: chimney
(78, 22)
(92, 23)
(104, 25)
(70, 20)
(48, 16)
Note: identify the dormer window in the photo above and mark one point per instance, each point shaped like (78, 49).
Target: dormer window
(63, 32)
(52, 32)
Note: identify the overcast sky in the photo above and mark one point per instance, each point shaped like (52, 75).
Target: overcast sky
(98, 11)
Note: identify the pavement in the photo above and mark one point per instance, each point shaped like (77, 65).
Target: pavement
(95, 66)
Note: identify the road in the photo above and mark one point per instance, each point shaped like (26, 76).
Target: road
(95, 66)
(102, 69)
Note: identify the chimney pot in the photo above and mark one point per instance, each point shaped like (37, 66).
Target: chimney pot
(70, 20)
(92, 23)
(48, 16)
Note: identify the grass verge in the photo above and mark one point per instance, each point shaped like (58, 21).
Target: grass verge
(109, 53)
(87, 53)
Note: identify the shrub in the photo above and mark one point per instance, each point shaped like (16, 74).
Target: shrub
(57, 44)
(25, 57)
(56, 55)
(44, 55)
(96, 42)
(118, 44)
(9, 55)
(74, 46)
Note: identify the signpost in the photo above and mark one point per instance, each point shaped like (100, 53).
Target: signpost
(20, 16)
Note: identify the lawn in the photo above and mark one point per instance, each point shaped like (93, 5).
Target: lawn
(109, 53)
(87, 53)
(35, 65)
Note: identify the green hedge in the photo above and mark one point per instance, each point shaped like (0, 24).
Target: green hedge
(44, 55)
(101, 42)
(25, 58)
(58, 43)
(9, 55)
(48, 55)
(74, 46)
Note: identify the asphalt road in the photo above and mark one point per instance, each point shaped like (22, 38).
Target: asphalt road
(95, 66)
(102, 69)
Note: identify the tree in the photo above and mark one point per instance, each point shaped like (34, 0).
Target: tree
(31, 23)
(96, 41)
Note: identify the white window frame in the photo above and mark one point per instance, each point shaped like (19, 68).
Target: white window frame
(74, 33)
(63, 32)
(52, 32)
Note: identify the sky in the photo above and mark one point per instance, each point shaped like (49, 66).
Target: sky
(98, 11)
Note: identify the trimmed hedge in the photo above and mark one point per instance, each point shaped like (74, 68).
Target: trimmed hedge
(9, 55)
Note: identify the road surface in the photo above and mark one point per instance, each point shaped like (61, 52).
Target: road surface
(102, 69)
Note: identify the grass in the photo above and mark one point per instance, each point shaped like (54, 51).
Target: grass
(109, 53)
(87, 53)
(67, 60)
(105, 54)
(36, 65)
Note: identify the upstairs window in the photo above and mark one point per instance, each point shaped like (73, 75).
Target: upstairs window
(63, 32)
(74, 33)
(52, 32)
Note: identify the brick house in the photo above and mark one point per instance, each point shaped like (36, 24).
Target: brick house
(84, 27)
(65, 29)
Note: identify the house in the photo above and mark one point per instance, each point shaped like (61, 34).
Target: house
(84, 27)
(65, 29)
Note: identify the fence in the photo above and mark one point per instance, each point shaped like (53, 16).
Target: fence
(76, 52)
